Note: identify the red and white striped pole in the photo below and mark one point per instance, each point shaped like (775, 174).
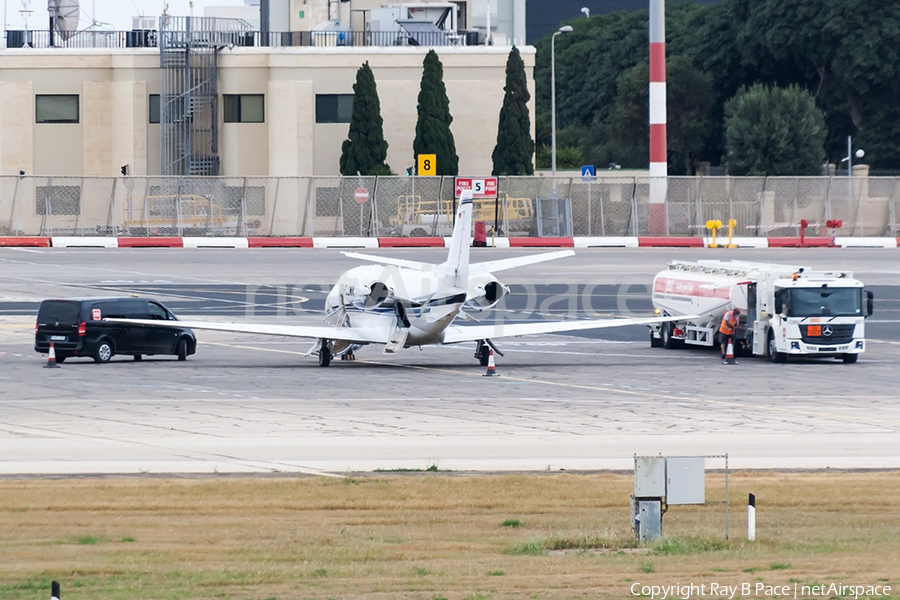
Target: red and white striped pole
(658, 162)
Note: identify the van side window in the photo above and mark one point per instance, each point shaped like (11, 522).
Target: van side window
(108, 310)
(157, 312)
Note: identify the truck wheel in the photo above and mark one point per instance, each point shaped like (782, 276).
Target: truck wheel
(774, 355)
(668, 341)
(655, 342)
(848, 358)
(104, 352)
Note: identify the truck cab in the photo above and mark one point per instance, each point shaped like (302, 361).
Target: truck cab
(816, 314)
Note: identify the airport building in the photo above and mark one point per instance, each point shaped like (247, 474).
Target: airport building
(221, 95)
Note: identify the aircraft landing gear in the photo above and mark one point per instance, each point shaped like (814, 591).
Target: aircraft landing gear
(483, 351)
(324, 354)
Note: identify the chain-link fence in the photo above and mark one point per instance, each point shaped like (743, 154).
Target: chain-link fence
(425, 206)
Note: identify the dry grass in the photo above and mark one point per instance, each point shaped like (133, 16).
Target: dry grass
(431, 536)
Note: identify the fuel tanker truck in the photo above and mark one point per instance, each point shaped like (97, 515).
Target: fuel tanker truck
(785, 310)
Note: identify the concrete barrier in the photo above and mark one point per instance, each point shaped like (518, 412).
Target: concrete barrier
(215, 242)
(83, 242)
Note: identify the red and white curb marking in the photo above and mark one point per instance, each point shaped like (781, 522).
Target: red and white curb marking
(441, 242)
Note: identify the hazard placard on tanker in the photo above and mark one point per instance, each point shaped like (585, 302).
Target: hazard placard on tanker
(785, 310)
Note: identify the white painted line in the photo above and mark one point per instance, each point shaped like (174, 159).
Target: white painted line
(215, 242)
(84, 242)
(606, 242)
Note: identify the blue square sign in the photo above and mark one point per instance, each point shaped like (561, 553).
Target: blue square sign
(587, 171)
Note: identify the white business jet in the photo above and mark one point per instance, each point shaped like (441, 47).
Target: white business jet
(401, 303)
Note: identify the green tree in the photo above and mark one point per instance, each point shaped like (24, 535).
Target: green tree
(514, 151)
(689, 100)
(366, 149)
(433, 135)
(567, 157)
(774, 131)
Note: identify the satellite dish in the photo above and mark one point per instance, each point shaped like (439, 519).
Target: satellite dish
(64, 14)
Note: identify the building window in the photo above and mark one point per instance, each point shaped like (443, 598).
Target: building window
(56, 108)
(154, 108)
(244, 108)
(334, 108)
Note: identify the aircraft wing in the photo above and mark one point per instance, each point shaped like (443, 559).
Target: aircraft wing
(358, 335)
(502, 264)
(456, 333)
(384, 260)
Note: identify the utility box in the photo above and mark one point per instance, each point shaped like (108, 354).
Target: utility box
(649, 476)
(660, 482)
(685, 480)
(650, 525)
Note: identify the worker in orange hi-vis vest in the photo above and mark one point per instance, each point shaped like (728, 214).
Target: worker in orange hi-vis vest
(730, 323)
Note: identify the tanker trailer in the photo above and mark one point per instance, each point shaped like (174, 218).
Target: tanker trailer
(786, 310)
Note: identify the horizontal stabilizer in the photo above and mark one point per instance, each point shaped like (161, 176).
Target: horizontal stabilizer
(384, 260)
(518, 261)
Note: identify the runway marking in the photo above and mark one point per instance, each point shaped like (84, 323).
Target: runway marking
(608, 387)
(242, 347)
(705, 400)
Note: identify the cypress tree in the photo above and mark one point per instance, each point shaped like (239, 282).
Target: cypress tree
(366, 149)
(433, 135)
(515, 149)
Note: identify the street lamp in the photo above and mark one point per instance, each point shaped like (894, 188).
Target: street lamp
(859, 154)
(564, 29)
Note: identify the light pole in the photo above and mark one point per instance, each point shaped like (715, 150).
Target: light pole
(859, 154)
(564, 29)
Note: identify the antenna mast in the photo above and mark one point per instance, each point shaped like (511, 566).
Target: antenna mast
(26, 13)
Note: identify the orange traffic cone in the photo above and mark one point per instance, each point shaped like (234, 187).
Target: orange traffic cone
(729, 354)
(51, 358)
(491, 371)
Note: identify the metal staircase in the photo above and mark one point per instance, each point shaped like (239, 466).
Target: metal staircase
(189, 118)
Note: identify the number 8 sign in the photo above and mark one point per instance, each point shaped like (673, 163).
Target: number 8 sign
(427, 164)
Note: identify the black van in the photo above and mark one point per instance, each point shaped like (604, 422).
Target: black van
(77, 328)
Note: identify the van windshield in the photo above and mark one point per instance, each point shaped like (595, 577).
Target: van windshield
(62, 311)
(824, 302)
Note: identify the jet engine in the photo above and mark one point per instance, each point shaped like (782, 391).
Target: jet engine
(485, 293)
(373, 295)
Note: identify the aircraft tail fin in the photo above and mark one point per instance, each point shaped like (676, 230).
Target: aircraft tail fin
(457, 263)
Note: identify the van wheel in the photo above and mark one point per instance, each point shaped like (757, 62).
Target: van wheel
(848, 358)
(104, 352)
(60, 359)
(181, 350)
(138, 357)
(774, 355)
